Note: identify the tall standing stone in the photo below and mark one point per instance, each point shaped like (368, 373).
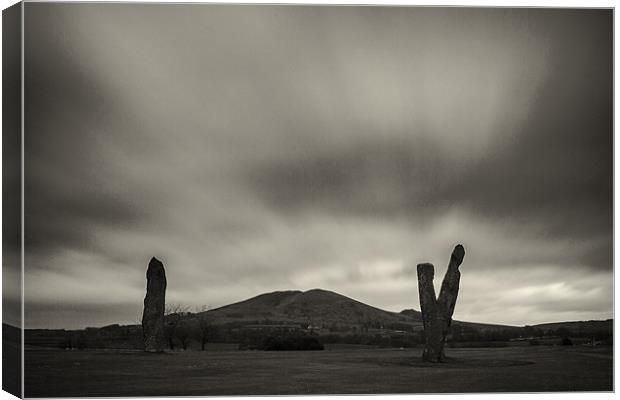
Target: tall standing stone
(154, 304)
(437, 313)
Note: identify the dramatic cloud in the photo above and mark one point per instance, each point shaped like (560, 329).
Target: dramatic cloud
(261, 148)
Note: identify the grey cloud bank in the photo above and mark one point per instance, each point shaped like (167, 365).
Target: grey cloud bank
(261, 148)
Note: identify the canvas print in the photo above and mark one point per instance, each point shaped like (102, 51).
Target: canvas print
(219, 199)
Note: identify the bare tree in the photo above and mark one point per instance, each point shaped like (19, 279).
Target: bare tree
(204, 325)
(173, 312)
(176, 308)
(183, 333)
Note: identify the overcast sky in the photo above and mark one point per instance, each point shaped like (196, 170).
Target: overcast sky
(263, 148)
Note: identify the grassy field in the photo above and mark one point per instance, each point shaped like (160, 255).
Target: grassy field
(57, 373)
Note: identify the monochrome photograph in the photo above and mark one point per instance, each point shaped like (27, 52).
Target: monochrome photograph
(288, 199)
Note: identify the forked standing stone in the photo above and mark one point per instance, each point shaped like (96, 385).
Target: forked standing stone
(154, 304)
(437, 313)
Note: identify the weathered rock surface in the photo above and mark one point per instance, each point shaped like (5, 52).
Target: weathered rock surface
(437, 313)
(154, 304)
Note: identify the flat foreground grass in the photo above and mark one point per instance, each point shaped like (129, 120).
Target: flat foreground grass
(60, 373)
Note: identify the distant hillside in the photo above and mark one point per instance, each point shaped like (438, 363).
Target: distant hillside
(333, 317)
(579, 327)
(410, 312)
(322, 309)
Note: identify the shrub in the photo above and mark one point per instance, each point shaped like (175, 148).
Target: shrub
(284, 342)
